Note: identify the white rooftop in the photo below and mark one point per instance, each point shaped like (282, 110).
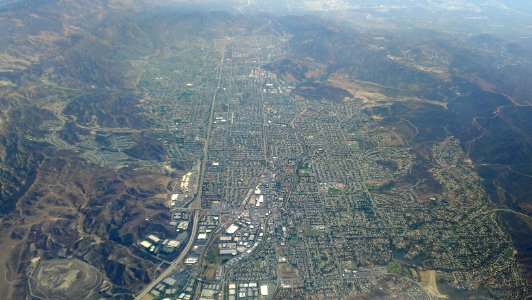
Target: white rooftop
(264, 290)
(232, 229)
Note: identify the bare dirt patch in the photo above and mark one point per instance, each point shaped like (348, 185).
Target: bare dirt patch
(64, 279)
(428, 281)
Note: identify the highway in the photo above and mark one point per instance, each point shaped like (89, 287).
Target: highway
(170, 270)
(207, 138)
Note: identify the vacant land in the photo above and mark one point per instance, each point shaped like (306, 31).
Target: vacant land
(428, 280)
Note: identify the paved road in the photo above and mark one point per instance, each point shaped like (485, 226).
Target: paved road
(197, 203)
(169, 271)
